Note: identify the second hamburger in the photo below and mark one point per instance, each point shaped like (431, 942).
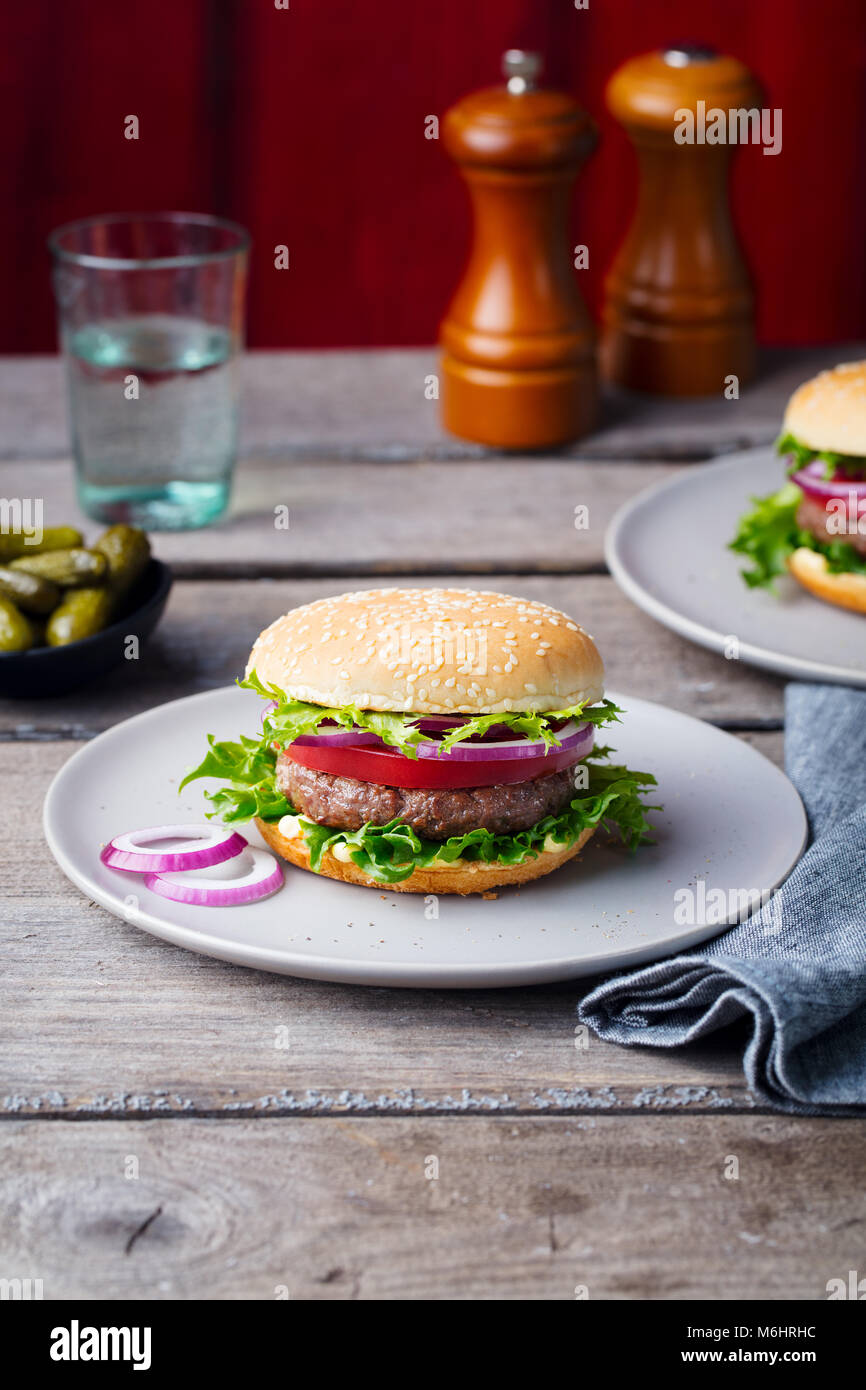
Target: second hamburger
(815, 526)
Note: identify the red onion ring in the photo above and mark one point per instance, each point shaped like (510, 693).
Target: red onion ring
(339, 738)
(263, 878)
(272, 704)
(208, 845)
(573, 738)
(432, 723)
(812, 482)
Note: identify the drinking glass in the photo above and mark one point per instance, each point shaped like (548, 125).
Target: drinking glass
(151, 311)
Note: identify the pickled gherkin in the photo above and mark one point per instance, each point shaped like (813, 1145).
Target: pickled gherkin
(17, 634)
(28, 591)
(53, 538)
(127, 551)
(81, 613)
(71, 569)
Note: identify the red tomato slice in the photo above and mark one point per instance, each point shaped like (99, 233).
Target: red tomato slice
(389, 768)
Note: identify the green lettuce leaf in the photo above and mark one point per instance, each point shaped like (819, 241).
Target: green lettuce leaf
(768, 535)
(534, 725)
(851, 464)
(841, 557)
(248, 768)
(291, 718)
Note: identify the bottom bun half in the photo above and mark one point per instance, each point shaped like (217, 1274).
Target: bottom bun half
(809, 567)
(474, 877)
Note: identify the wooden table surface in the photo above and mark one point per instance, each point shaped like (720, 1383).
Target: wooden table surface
(158, 1144)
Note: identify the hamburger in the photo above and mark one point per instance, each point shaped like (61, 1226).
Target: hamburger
(427, 740)
(815, 526)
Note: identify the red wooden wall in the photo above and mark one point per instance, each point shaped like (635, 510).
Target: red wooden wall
(307, 125)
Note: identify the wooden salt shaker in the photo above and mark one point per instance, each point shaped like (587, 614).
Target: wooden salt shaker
(518, 362)
(678, 315)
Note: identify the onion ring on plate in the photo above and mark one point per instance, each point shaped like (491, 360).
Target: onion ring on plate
(205, 845)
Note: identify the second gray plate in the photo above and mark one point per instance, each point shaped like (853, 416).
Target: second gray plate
(667, 550)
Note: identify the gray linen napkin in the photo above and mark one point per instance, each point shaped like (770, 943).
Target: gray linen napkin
(798, 966)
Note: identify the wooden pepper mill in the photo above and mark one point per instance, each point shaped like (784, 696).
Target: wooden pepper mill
(518, 363)
(678, 315)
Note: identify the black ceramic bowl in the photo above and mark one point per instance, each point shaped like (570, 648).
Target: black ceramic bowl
(54, 670)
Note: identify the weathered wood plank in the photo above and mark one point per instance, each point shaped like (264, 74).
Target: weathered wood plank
(372, 405)
(207, 632)
(386, 518)
(522, 1209)
(100, 1018)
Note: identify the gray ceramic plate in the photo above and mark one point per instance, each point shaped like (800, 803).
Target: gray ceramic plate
(730, 819)
(667, 551)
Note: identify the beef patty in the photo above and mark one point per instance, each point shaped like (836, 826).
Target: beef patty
(347, 804)
(812, 515)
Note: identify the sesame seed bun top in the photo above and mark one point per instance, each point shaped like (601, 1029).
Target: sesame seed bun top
(829, 412)
(431, 651)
